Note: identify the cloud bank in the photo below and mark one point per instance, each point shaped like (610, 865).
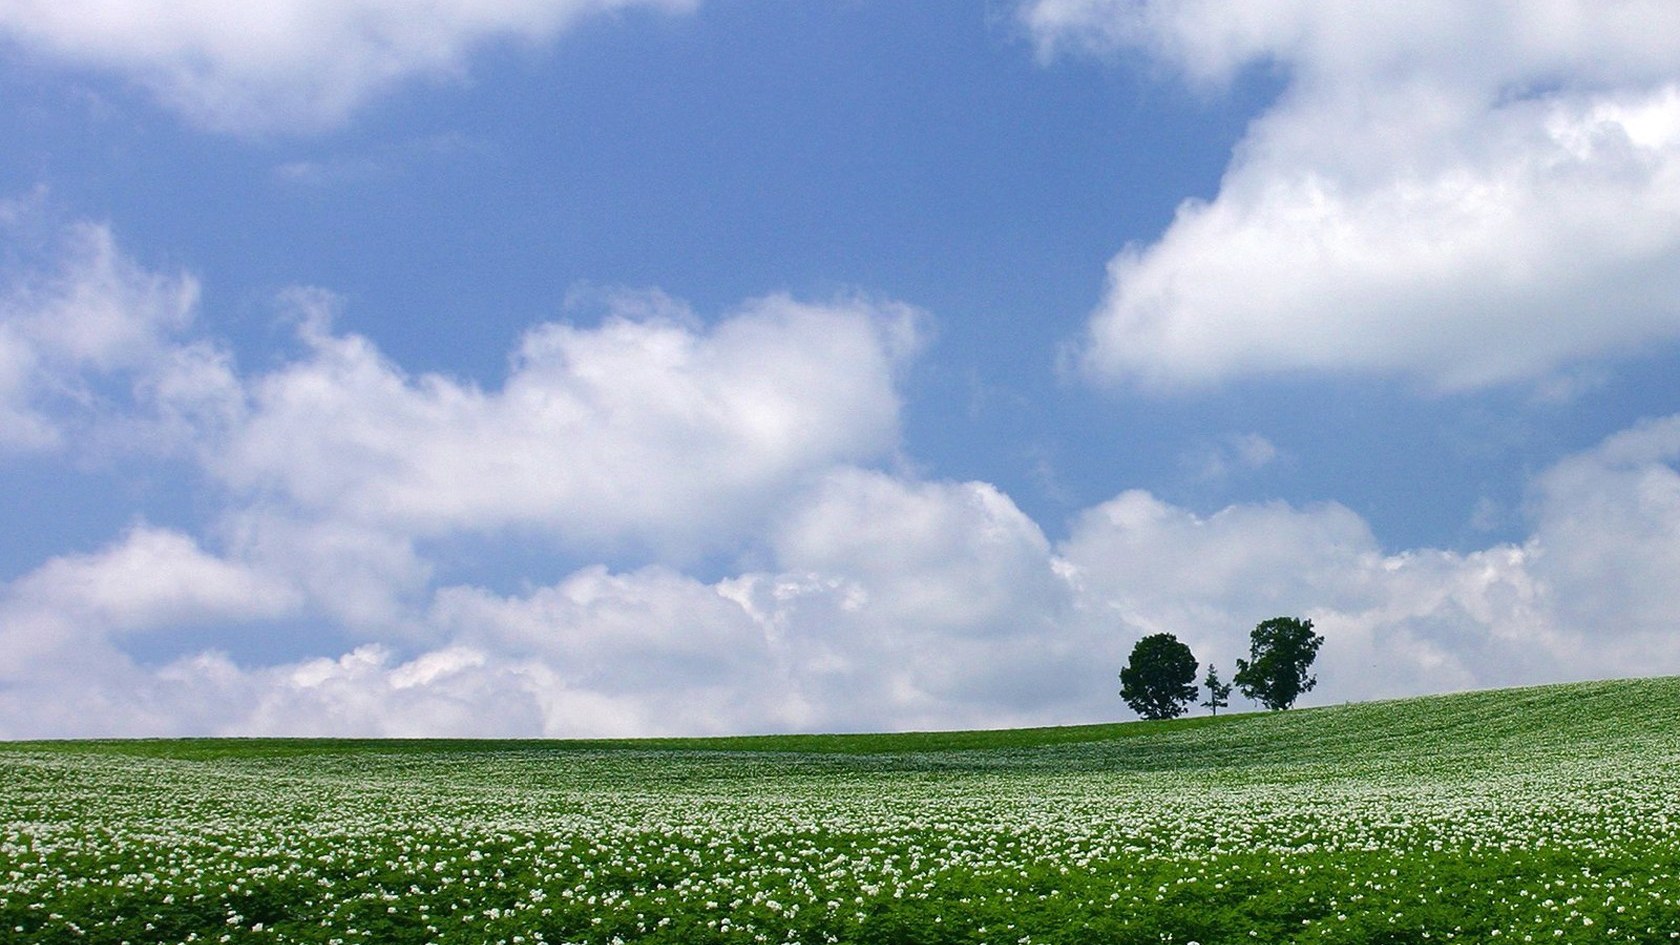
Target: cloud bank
(1460, 196)
(863, 596)
(283, 65)
(649, 429)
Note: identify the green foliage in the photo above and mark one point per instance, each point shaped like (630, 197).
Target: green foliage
(1281, 651)
(1159, 678)
(1219, 691)
(1547, 814)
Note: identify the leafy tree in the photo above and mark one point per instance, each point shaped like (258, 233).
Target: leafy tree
(1281, 650)
(1159, 678)
(1219, 691)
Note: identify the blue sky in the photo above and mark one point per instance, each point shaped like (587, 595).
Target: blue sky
(646, 367)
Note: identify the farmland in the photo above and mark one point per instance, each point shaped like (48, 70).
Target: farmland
(1535, 815)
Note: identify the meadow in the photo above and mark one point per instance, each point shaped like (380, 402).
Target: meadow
(1549, 814)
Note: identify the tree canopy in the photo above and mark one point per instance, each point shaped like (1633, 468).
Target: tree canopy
(1160, 677)
(1280, 650)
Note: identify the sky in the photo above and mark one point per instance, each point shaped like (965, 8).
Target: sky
(646, 367)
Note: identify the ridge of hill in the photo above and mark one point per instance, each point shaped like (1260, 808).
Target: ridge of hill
(1603, 713)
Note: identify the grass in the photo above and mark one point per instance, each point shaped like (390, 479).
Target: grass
(836, 744)
(1542, 814)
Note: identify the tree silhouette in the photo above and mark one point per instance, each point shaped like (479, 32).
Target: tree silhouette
(1280, 650)
(1160, 677)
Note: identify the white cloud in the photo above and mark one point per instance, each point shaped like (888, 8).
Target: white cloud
(1159, 568)
(366, 580)
(932, 604)
(1234, 454)
(152, 579)
(657, 431)
(890, 603)
(896, 604)
(93, 337)
(1607, 542)
(651, 651)
(653, 629)
(1587, 595)
(978, 562)
(942, 612)
(284, 64)
(875, 600)
(63, 668)
(1212, 40)
(650, 430)
(1406, 208)
(1419, 622)
(445, 692)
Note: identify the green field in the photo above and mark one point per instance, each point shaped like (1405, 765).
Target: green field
(1534, 815)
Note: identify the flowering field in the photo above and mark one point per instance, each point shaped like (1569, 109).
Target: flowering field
(1536, 815)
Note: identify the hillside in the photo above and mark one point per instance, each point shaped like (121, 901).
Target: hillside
(1550, 812)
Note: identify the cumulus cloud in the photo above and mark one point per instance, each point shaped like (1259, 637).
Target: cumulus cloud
(1585, 595)
(153, 578)
(630, 653)
(1405, 208)
(366, 580)
(654, 430)
(943, 612)
(1402, 624)
(938, 602)
(1158, 568)
(1607, 543)
(888, 603)
(91, 341)
(63, 628)
(870, 600)
(979, 561)
(283, 64)
(893, 604)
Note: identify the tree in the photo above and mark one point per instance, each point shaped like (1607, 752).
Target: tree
(1281, 650)
(1219, 691)
(1159, 678)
